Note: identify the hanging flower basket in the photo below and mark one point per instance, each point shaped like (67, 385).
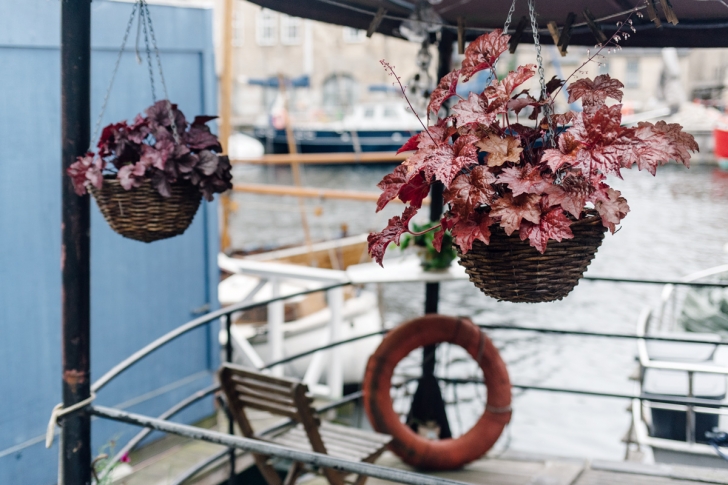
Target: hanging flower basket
(512, 270)
(143, 214)
(526, 193)
(148, 177)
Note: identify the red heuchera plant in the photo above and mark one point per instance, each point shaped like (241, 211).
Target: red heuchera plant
(147, 149)
(498, 173)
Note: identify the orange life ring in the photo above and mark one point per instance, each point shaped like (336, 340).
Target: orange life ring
(416, 450)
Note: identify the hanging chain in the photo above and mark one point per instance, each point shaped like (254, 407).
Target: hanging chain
(145, 6)
(541, 75)
(143, 20)
(113, 76)
(505, 31)
(509, 17)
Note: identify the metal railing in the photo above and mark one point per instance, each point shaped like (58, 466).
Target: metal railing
(161, 423)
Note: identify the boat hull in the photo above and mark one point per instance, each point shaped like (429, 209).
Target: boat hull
(330, 141)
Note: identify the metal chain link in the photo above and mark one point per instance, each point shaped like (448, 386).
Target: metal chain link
(143, 19)
(541, 74)
(145, 6)
(145, 22)
(97, 127)
(505, 31)
(509, 17)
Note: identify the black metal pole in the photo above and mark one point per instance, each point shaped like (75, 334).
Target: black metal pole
(231, 428)
(427, 403)
(75, 241)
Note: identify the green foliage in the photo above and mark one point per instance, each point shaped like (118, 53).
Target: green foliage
(431, 259)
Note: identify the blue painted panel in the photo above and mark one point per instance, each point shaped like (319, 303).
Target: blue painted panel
(139, 291)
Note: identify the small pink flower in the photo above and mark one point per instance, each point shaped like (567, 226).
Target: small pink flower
(124, 458)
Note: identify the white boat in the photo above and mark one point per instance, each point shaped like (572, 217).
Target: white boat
(672, 432)
(308, 321)
(368, 127)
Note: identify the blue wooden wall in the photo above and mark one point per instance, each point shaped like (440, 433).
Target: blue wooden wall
(139, 291)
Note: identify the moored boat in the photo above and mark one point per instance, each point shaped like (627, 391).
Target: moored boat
(695, 371)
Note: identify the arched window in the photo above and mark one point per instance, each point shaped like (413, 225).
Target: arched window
(340, 92)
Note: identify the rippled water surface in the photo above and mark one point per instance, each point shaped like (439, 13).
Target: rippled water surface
(678, 224)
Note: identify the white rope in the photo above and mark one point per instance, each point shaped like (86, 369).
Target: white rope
(59, 411)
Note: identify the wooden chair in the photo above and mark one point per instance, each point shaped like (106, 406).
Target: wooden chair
(287, 397)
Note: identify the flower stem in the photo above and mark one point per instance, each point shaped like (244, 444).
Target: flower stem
(389, 68)
(414, 233)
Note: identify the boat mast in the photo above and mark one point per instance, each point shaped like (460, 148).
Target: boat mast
(225, 129)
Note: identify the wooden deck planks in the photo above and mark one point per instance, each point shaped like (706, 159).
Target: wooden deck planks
(602, 477)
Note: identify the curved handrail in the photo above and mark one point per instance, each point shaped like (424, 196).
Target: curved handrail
(191, 325)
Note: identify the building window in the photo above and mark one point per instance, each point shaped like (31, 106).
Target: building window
(340, 92)
(291, 30)
(354, 36)
(237, 26)
(632, 78)
(266, 27)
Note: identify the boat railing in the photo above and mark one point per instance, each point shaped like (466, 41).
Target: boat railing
(668, 299)
(330, 281)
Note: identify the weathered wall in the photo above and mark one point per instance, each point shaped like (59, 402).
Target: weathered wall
(139, 291)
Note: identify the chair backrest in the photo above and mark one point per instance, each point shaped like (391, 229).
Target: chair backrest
(277, 395)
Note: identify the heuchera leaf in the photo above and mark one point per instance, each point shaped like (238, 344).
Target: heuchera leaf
(86, 170)
(412, 144)
(515, 78)
(397, 225)
(199, 138)
(612, 207)
(500, 150)
(391, 185)
(443, 162)
(474, 110)
(592, 143)
(415, 190)
(593, 94)
(466, 155)
(564, 155)
(519, 102)
(554, 84)
(653, 145)
(470, 190)
(131, 176)
(202, 119)
(571, 201)
(466, 231)
(483, 51)
(151, 157)
(445, 89)
(553, 225)
(510, 211)
(525, 180)
(410, 187)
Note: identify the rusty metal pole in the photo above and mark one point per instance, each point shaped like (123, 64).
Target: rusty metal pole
(75, 459)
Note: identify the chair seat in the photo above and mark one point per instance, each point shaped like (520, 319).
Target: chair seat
(340, 441)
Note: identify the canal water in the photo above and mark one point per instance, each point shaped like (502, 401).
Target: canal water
(678, 224)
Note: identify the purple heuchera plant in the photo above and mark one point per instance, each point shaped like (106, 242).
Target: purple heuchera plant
(146, 149)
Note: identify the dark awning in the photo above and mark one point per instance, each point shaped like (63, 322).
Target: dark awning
(702, 23)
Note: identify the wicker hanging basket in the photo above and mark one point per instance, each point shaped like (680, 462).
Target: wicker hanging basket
(511, 270)
(142, 213)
